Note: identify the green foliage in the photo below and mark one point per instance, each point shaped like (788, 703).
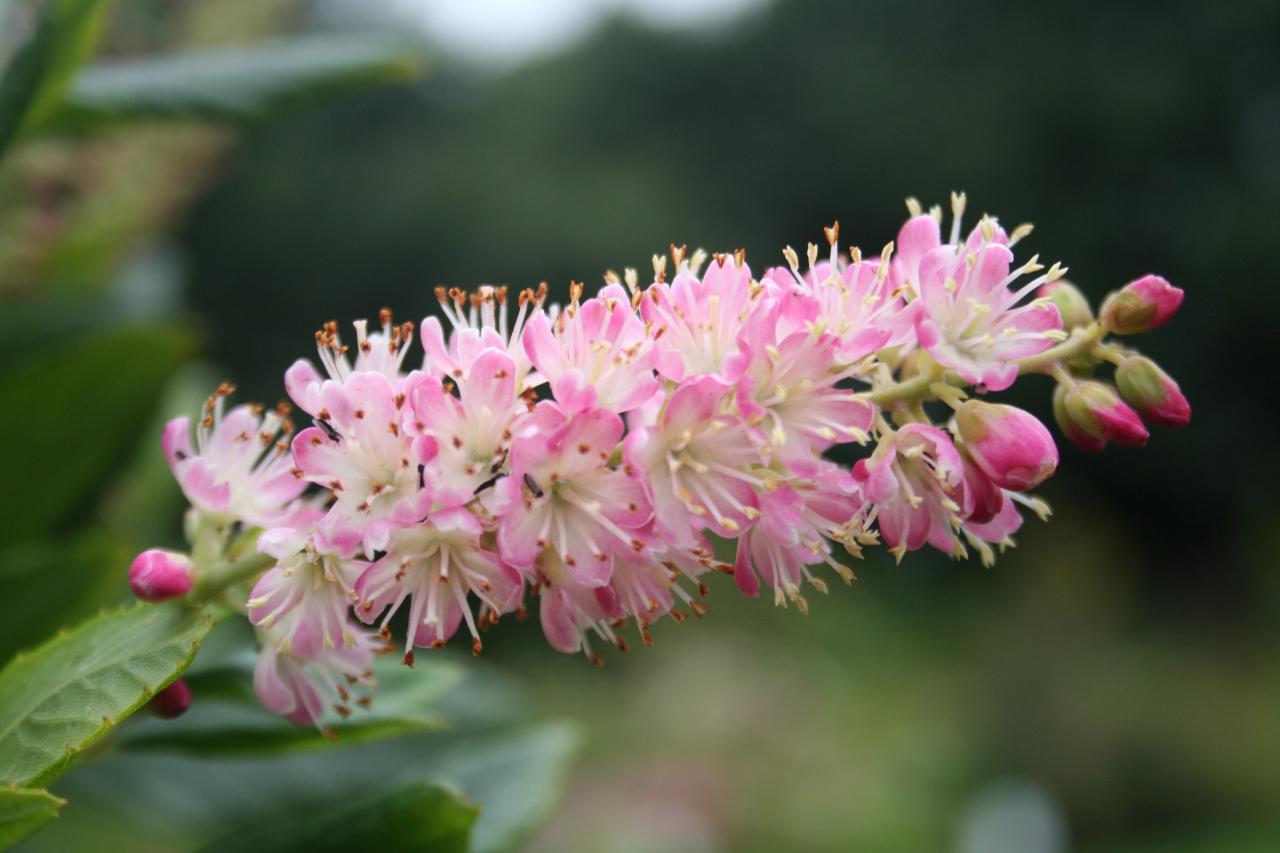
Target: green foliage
(60, 698)
(417, 817)
(107, 386)
(50, 584)
(64, 34)
(235, 85)
(23, 811)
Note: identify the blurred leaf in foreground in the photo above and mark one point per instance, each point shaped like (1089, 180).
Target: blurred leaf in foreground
(63, 34)
(235, 85)
(417, 817)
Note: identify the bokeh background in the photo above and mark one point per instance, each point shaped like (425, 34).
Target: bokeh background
(1113, 684)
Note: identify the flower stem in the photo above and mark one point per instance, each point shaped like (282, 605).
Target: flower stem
(220, 576)
(1077, 345)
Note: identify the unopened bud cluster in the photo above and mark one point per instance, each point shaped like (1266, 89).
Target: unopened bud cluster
(596, 458)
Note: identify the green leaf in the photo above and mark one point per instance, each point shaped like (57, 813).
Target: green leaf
(48, 585)
(225, 720)
(23, 811)
(64, 34)
(235, 85)
(66, 694)
(416, 817)
(107, 387)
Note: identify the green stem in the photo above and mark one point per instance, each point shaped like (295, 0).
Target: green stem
(916, 388)
(220, 576)
(1081, 343)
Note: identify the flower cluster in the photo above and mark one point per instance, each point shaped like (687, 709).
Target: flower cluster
(600, 457)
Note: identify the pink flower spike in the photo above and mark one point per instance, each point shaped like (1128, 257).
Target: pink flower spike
(239, 467)
(596, 353)
(562, 493)
(1141, 305)
(972, 322)
(1011, 446)
(306, 595)
(301, 689)
(916, 480)
(1152, 392)
(434, 567)
(157, 575)
(697, 465)
(171, 702)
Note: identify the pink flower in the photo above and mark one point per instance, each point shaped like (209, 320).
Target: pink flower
(1091, 414)
(239, 469)
(853, 301)
(561, 493)
(381, 352)
(1009, 445)
(793, 394)
(365, 457)
(301, 688)
(971, 322)
(696, 323)
(480, 321)
(595, 355)
(1140, 306)
(157, 575)
(1152, 392)
(697, 464)
(781, 547)
(470, 433)
(306, 595)
(916, 480)
(570, 612)
(435, 566)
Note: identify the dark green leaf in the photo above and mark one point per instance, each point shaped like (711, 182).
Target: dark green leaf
(23, 811)
(66, 694)
(107, 388)
(416, 817)
(219, 724)
(234, 85)
(54, 584)
(63, 36)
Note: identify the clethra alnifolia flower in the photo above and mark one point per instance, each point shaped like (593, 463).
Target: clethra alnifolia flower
(601, 461)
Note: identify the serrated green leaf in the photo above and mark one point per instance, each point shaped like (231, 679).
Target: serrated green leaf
(66, 694)
(417, 817)
(227, 718)
(63, 36)
(23, 811)
(234, 85)
(109, 385)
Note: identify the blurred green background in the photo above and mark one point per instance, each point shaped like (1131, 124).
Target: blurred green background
(1113, 684)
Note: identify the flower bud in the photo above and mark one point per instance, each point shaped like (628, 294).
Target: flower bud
(171, 702)
(157, 575)
(1152, 392)
(1092, 409)
(1007, 444)
(1070, 302)
(1081, 439)
(1141, 306)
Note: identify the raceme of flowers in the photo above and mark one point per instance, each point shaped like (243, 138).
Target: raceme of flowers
(596, 460)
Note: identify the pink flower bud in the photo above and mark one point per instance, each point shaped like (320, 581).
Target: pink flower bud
(1071, 303)
(171, 702)
(1141, 306)
(1081, 439)
(1009, 445)
(157, 575)
(1152, 392)
(1094, 410)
